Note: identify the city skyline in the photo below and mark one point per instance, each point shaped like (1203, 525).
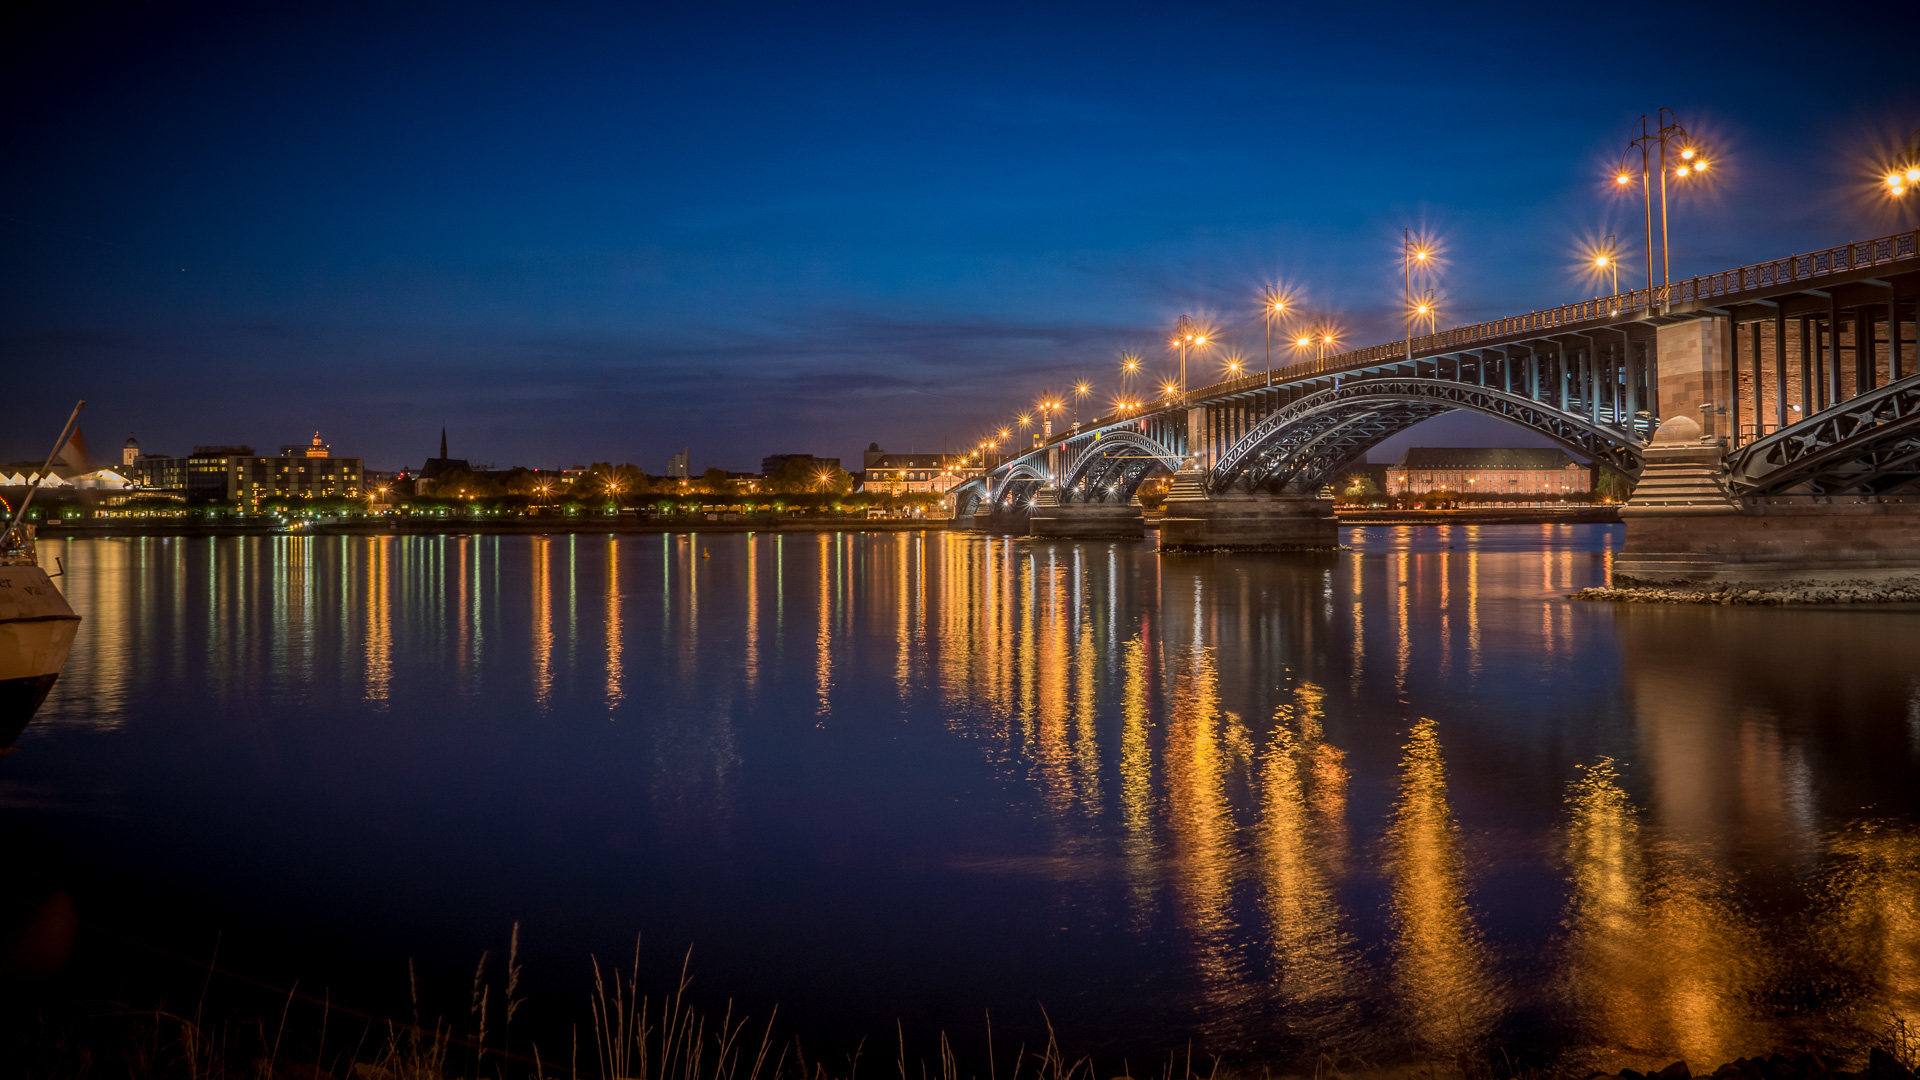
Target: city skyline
(812, 232)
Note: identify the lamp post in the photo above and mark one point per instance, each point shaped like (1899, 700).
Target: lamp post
(1609, 263)
(1046, 420)
(1274, 307)
(1080, 390)
(1186, 335)
(1413, 251)
(1904, 174)
(1666, 128)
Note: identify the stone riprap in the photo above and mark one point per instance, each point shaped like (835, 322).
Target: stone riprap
(1902, 591)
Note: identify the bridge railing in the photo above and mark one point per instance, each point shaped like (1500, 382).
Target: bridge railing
(1811, 266)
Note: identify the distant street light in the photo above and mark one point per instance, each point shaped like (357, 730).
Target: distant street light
(1080, 390)
(1904, 173)
(1047, 409)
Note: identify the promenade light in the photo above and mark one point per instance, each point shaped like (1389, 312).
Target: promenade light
(1303, 342)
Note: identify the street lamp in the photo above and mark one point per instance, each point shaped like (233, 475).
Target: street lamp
(1047, 409)
(1275, 307)
(1607, 262)
(1904, 173)
(1186, 335)
(1414, 251)
(1080, 390)
(1666, 128)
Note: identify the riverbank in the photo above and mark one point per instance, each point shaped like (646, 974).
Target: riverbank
(515, 526)
(1905, 591)
(1582, 515)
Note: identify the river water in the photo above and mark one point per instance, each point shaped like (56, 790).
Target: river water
(1408, 802)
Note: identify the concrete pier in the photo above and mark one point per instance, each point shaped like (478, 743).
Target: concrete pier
(1239, 521)
(1079, 520)
(1004, 522)
(1684, 526)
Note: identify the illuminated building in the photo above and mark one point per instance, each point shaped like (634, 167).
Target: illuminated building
(1511, 473)
(895, 474)
(298, 472)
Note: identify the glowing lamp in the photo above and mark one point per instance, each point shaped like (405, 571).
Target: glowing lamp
(1623, 178)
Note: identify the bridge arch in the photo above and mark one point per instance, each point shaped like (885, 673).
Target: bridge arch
(1867, 445)
(1114, 465)
(1308, 440)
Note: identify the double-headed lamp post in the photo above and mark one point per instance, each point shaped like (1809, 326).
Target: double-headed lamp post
(1414, 251)
(1186, 335)
(1047, 409)
(1665, 129)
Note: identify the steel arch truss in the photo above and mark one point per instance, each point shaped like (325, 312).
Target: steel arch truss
(1301, 426)
(1867, 445)
(1317, 461)
(1113, 466)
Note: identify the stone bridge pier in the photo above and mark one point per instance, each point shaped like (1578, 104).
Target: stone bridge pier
(1244, 521)
(1707, 510)
(1085, 520)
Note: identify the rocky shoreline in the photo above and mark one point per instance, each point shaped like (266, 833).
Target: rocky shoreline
(1880, 1065)
(1902, 591)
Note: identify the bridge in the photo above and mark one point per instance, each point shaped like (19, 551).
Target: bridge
(1770, 414)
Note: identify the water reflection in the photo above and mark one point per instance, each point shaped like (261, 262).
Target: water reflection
(1319, 977)
(1441, 969)
(1691, 832)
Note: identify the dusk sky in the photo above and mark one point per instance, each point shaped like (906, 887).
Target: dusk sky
(579, 233)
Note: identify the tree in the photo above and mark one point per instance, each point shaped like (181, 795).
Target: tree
(1360, 486)
(1608, 484)
(714, 481)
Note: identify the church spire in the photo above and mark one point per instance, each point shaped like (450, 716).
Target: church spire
(443, 442)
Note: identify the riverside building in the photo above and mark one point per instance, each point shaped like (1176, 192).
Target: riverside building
(1512, 474)
(897, 474)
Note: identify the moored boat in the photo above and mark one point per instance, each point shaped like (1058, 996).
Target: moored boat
(37, 625)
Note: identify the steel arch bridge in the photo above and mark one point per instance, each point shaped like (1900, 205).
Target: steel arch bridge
(1585, 376)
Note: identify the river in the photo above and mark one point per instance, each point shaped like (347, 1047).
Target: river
(1407, 802)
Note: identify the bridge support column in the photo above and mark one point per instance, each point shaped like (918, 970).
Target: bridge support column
(1696, 373)
(1683, 526)
(1000, 521)
(1240, 521)
(1081, 520)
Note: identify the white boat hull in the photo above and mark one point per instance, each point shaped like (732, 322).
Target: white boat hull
(37, 627)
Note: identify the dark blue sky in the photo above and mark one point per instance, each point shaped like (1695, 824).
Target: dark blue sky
(578, 233)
